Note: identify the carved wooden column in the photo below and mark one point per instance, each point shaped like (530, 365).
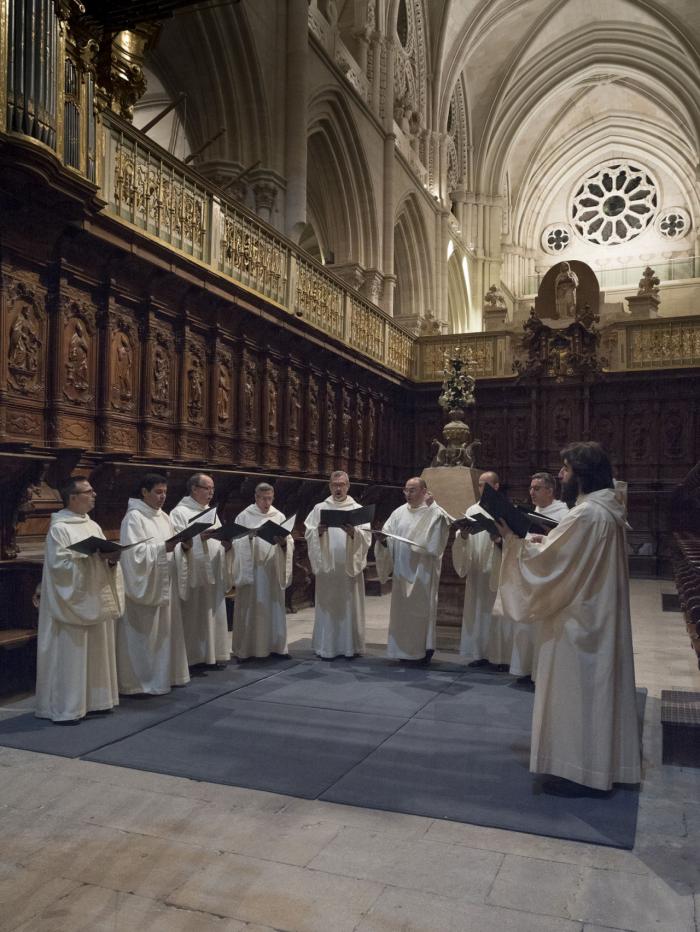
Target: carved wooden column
(293, 419)
(271, 411)
(312, 420)
(224, 398)
(330, 426)
(346, 427)
(119, 365)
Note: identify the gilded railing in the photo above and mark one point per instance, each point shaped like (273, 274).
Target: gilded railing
(319, 299)
(399, 349)
(491, 353)
(662, 344)
(252, 255)
(157, 195)
(367, 329)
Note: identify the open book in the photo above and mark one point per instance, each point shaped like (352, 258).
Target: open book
(499, 507)
(338, 517)
(90, 545)
(189, 532)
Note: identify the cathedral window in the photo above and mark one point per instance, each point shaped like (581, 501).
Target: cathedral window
(613, 204)
(556, 238)
(674, 223)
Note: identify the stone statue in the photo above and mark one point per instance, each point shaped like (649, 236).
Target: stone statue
(494, 300)
(565, 286)
(649, 284)
(428, 325)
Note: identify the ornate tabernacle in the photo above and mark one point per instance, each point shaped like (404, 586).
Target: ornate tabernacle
(560, 338)
(456, 395)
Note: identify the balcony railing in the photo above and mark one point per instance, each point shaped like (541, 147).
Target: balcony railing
(668, 270)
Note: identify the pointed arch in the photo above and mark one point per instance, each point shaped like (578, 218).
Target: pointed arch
(340, 193)
(412, 265)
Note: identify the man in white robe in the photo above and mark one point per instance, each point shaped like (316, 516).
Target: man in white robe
(81, 597)
(575, 583)
(477, 557)
(151, 655)
(210, 576)
(259, 612)
(526, 637)
(415, 572)
(338, 557)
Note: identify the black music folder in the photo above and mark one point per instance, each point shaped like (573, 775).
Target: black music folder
(337, 517)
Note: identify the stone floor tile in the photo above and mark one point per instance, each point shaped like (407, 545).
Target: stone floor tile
(121, 861)
(448, 870)
(285, 837)
(289, 898)
(535, 886)
(95, 909)
(399, 910)
(24, 893)
(536, 846)
(392, 823)
(628, 901)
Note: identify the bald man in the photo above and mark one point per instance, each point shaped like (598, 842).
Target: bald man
(477, 557)
(415, 572)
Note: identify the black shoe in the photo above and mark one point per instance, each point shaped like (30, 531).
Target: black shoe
(567, 789)
(281, 656)
(479, 663)
(95, 712)
(73, 721)
(501, 667)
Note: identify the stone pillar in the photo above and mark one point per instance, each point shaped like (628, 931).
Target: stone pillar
(296, 115)
(643, 306)
(388, 199)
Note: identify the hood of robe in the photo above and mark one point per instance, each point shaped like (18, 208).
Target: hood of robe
(66, 516)
(348, 502)
(189, 502)
(269, 514)
(138, 504)
(606, 498)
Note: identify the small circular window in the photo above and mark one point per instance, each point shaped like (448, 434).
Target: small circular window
(556, 238)
(613, 204)
(673, 223)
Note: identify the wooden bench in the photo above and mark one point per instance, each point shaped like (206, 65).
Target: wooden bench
(16, 637)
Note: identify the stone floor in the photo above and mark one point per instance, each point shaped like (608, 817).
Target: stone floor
(86, 846)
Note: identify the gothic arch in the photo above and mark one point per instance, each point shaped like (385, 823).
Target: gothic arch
(414, 291)
(340, 195)
(459, 310)
(220, 35)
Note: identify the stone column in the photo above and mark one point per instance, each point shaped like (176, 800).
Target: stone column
(296, 115)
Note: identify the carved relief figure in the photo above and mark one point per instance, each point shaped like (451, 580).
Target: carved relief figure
(360, 430)
(673, 435)
(330, 419)
(294, 406)
(565, 285)
(639, 437)
(223, 394)
(313, 413)
(77, 362)
(347, 425)
(195, 382)
(25, 346)
(123, 367)
(272, 394)
(160, 390)
(561, 424)
(371, 428)
(249, 394)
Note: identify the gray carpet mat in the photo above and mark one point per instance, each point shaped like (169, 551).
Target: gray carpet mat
(132, 715)
(438, 743)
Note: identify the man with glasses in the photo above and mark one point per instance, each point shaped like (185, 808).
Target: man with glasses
(209, 572)
(81, 597)
(416, 572)
(338, 556)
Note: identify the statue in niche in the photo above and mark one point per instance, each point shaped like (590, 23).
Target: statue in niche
(561, 425)
(223, 394)
(25, 345)
(249, 393)
(565, 285)
(160, 391)
(313, 412)
(77, 362)
(195, 380)
(330, 420)
(638, 437)
(649, 284)
(294, 405)
(123, 367)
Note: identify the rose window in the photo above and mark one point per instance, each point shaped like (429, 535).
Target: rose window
(556, 238)
(674, 223)
(614, 204)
